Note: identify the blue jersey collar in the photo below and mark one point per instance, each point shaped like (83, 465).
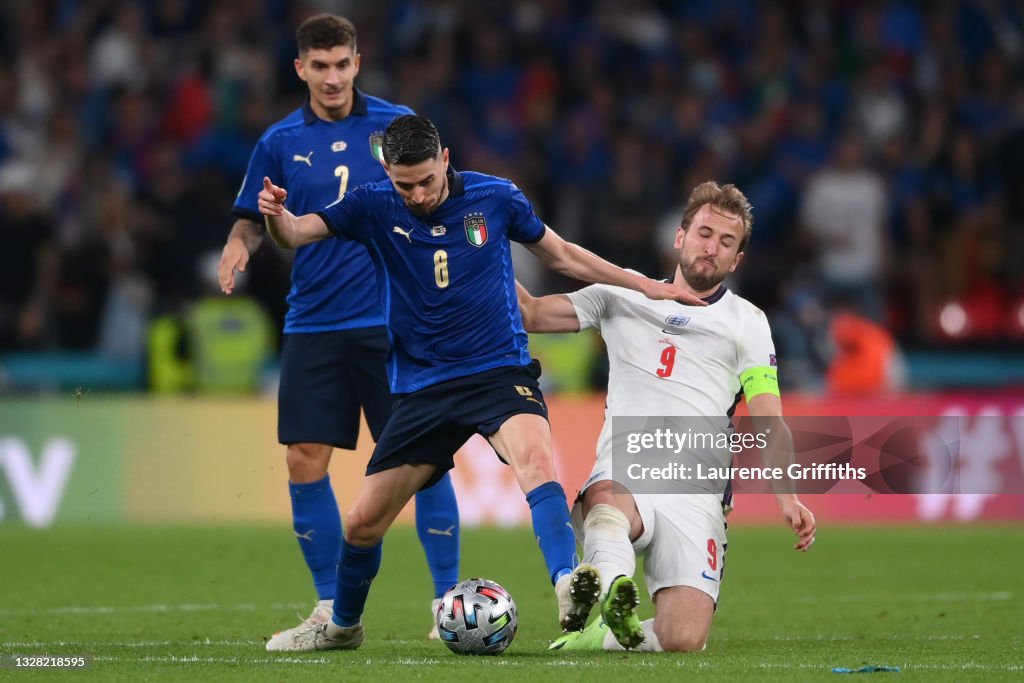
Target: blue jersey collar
(358, 107)
(456, 185)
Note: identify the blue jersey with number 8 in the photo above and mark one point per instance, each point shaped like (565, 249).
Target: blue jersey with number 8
(445, 280)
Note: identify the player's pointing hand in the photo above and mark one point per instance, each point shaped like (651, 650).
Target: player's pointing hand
(271, 198)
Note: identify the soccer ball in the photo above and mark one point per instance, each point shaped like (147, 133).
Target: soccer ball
(477, 617)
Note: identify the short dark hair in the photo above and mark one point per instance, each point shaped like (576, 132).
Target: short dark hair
(410, 140)
(325, 31)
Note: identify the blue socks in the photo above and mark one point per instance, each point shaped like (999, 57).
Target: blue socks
(357, 569)
(552, 528)
(317, 524)
(437, 523)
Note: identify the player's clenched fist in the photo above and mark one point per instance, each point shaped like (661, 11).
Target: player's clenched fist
(271, 198)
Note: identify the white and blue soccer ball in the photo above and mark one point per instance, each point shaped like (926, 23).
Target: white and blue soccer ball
(477, 617)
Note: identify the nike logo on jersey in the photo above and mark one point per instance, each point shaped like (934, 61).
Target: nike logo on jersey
(299, 157)
(407, 234)
(709, 578)
(308, 536)
(439, 532)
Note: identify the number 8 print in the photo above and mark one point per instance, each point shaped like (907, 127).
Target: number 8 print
(441, 268)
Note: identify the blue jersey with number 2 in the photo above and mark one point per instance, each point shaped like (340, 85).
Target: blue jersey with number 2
(318, 161)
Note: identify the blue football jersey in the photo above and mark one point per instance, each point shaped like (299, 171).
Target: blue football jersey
(318, 161)
(445, 280)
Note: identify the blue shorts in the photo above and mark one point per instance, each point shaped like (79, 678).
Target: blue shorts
(326, 377)
(429, 425)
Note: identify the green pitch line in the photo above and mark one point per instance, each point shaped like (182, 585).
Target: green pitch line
(184, 603)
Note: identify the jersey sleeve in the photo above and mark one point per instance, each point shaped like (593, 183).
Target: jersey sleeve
(350, 216)
(592, 305)
(758, 368)
(523, 225)
(262, 163)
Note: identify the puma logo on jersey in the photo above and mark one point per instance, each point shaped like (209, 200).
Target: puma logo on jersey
(308, 536)
(299, 157)
(407, 234)
(440, 532)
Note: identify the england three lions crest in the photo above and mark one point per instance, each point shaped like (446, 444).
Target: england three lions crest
(677, 320)
(476, 229)
(674, 322)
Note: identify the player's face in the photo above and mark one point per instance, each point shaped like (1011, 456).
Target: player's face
(709, 248)
(330, 75)
(422, 186)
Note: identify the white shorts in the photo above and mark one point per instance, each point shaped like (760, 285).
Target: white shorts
(683, 542)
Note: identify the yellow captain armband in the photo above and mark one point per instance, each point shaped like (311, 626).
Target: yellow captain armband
(763, 379)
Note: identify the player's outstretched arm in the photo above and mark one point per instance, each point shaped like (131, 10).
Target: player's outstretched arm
(780, 454)
(576, 262)
(554, 313)
(245, 238)
(285, 228)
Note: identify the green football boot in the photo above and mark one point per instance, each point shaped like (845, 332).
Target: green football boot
(619, 611)
(590, 638)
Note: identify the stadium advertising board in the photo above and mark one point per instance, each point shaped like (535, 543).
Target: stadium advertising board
(214, 461)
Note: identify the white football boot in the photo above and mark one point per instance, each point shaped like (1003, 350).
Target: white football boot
(434, 635)
(326, 636)
(577, 593)
(321, 614)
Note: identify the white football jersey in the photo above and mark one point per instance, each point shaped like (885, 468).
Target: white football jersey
(670, 359)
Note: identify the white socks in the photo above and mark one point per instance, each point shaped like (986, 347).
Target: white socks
(650, 644)
(606, 544)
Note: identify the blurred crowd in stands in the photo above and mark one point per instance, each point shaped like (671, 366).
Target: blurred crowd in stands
(880, 142)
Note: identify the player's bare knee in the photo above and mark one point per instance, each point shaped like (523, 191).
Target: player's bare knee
(681, 640)
(598, 493)
(363, 531)
(307, 462)
(534, 467)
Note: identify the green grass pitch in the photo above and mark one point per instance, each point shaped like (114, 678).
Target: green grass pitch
(194, 603)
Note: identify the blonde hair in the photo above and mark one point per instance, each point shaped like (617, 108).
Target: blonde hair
(727, 199)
